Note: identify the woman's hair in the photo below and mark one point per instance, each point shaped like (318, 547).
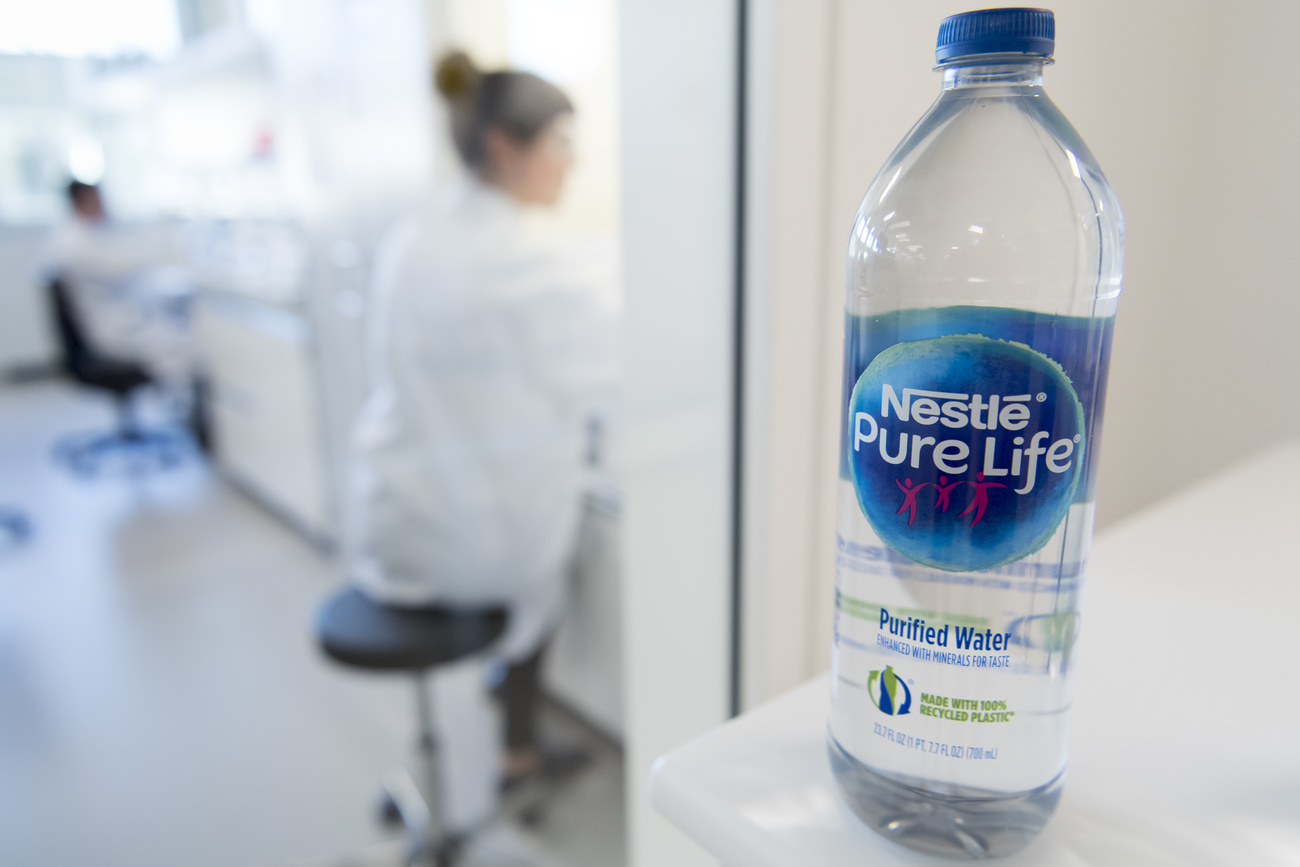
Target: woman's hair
(518, 103)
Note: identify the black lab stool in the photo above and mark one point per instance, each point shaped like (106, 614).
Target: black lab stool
(359, 632)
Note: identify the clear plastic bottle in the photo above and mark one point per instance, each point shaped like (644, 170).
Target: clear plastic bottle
(984, 268)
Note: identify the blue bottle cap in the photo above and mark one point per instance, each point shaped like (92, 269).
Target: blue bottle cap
(996, 31)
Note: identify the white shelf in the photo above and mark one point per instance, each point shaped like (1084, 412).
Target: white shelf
(1186, 743)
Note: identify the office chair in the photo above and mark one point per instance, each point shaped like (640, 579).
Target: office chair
(140, 447)
(356, 631)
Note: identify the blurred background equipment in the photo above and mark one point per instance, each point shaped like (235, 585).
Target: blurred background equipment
(266, 147)
(276, 141)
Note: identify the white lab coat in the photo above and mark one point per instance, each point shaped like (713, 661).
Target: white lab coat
(129, 297)
(489, 351)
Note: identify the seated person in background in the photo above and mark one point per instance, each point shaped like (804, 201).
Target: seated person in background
(129, 298)
(488, 355)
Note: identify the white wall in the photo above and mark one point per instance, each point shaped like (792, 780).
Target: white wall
(678, 98)
(1189, 108)
(790, 90)
(27, 337)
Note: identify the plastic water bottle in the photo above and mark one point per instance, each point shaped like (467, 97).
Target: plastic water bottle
(984, 268)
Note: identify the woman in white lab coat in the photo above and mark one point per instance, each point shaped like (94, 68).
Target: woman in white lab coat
(488, 354)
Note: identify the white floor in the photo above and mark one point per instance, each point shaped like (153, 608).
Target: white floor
(161, 698)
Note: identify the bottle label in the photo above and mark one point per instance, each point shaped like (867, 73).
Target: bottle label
(965, 451)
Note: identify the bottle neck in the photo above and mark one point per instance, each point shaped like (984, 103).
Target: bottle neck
(991, 70)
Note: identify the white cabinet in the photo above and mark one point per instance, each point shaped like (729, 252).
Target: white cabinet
(266, 408)
(585, 662)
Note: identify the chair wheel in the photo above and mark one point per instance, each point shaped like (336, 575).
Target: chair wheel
(449, 852)
(533, 816)
(388, 811)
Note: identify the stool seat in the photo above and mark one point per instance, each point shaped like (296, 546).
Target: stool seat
(357, 631)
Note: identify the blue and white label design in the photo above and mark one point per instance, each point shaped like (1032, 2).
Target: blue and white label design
(965, 451)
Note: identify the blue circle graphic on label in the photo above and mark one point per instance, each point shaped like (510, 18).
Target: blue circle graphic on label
(965, 451)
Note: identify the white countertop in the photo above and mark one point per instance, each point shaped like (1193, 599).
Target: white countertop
(1186, 725)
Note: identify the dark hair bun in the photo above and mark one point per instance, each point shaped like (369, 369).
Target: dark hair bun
(456, 77)
(518, 104)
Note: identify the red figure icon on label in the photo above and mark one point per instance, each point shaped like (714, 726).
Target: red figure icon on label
(980, 501)
(944, 490)
(909, 498)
